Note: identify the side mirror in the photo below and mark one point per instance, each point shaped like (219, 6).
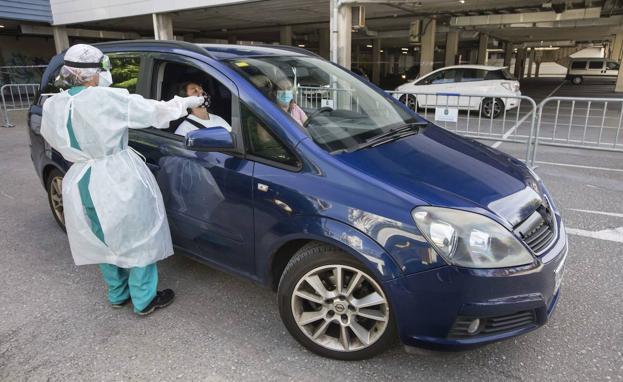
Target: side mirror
(210, 139)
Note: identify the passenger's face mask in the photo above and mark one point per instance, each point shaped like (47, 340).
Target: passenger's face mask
(105, 78)
(284, 97)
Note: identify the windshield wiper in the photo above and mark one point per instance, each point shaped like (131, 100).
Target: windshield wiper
(392, 135)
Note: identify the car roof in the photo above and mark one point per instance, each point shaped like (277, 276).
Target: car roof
(481, 67)
(216, 51)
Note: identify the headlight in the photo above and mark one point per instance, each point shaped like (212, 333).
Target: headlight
(470, 240)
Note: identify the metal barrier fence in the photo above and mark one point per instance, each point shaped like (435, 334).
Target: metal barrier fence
(580, 122)
(502, 118)
(16, 97)
(21, 74)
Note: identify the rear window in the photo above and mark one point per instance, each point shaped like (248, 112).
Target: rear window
(473, 75)
(578, 65)
(501, 74)
(595, 64)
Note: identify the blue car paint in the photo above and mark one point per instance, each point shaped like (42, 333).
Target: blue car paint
(360, 202)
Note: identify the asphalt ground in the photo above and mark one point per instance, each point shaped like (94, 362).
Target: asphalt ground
(55, 322)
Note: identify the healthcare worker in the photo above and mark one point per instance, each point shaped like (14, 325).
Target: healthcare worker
(114, 214)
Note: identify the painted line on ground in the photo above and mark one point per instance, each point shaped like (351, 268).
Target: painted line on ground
(615, 234)
(580, 166)
(616, 215)
(509, 132)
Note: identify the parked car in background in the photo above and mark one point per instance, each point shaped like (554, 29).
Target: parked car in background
(369, 222)
(450, 86)
(599, 68)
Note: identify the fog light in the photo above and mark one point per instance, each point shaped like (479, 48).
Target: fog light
(473, 326)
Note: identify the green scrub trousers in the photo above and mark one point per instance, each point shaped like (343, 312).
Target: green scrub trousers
(138, 283)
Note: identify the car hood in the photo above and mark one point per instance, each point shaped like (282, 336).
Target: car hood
(443, 169)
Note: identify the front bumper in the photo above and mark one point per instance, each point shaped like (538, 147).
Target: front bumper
(429, 306)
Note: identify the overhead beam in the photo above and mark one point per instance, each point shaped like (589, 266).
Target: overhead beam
(76, 32)
(530, 17)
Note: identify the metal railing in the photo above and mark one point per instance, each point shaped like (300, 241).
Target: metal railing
(580, 122)
(498, 117)
(21, 74)
(16, 97)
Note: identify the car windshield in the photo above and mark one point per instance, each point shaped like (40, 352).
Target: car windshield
(337, 109)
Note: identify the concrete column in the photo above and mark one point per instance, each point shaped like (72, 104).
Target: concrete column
(520, 62)
(427, 51)
(376, 61)
(61, 39)
(538, 58)
(617, 47)
(341, 23)
(482, 48)
(285, 35)
(619, 86)
(452, 47)
(508, 53)
(473, 56)
(163, 26)
(323, 43)
(530, 62)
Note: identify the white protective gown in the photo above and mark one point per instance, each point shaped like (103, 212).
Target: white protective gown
(113, 207)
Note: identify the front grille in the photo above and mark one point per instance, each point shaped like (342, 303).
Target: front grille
(492, 325)
(538, 231)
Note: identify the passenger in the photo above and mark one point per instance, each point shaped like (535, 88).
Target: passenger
(285, 100)
(199, 117)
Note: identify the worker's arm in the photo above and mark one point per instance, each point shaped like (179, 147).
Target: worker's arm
(144, 112)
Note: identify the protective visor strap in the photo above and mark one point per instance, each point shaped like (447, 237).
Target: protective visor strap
(83, 64)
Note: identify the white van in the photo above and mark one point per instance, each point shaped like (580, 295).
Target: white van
(598, 68)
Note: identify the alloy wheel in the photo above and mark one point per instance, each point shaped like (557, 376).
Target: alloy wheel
(340, 308)
(56, 197)
(491, 107)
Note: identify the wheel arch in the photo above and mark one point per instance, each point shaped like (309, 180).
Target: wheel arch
(336, 234)
(47, 169)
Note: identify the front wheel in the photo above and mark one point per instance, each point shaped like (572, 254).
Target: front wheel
(491, 107)
(409, 100)
(54, 186)
(332, 305)
(577, 80)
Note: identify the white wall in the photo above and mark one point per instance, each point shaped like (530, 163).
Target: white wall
(76, 11)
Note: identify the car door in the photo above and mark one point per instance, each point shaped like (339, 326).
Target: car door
(471, 82)
(208, 195)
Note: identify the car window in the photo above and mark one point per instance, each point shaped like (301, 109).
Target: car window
(595, 64)
(578, 65)
(501, 74)
(125, 71)
(175, 79)
(444, 77)
(261, 142)
(611, 65)
(54, 84)
(473, 75)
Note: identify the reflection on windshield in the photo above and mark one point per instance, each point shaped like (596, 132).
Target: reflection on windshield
(336, 108)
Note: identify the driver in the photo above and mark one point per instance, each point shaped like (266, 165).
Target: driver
(285, 99)
(199, 117)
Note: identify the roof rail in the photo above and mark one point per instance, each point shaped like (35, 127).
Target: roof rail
(178, 44)
(290, 48)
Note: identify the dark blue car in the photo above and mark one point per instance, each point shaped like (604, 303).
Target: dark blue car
(370, 222)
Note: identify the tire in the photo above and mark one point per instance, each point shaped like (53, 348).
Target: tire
(489, 105)
(336, 325)
(577, 80)
(53, 185)
(409, 100)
